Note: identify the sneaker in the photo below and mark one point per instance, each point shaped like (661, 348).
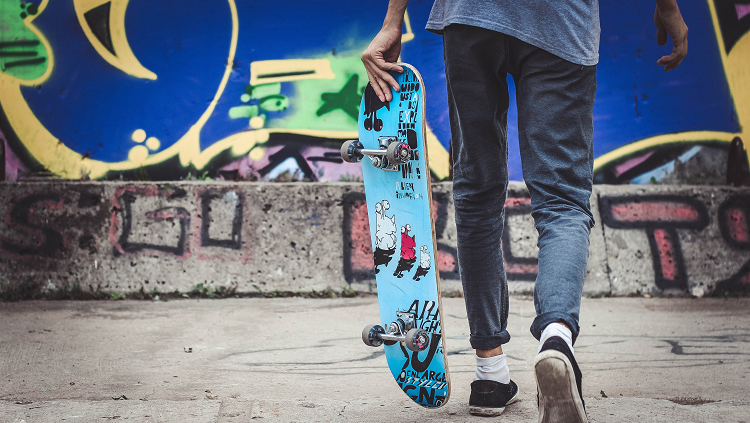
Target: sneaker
(558, 381)
(489, 398)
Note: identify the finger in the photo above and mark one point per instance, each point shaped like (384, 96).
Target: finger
(385, 87)
(383, 68)
(381, 82)
(374, 84)
(667, 60)
(679, 51)
(672, 65)
(389, 80)
(396, 68)
(670, 62)
(377, 76)
(384, 80)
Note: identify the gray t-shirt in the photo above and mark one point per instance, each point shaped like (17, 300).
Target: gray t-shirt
(566, 28)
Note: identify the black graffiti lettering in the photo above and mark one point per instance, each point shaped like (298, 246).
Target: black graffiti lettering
(235, 242)
(163, 214)
(45, 241)
(87, 200)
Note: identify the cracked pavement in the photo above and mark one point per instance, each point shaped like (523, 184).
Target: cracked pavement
(296, 359)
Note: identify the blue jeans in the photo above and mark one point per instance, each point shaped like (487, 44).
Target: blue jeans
(555, 101)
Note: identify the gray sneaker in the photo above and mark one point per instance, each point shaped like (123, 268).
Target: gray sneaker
(558, 382)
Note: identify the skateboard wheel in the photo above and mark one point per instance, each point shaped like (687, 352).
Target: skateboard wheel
(398, 152)
(417, 339)
(350, 151)
(370, 335)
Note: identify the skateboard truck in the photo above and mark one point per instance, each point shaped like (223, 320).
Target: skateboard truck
(390, 156)
(401, 330)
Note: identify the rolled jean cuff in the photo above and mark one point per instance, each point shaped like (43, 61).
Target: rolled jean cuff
(545, 319)
(489, 342)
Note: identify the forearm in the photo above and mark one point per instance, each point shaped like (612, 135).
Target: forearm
(395, 15)
(667, 5)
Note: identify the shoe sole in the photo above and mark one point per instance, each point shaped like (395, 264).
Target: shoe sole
(491, 411)
(559, 401)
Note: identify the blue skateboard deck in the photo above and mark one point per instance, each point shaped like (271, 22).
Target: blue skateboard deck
(402, 229)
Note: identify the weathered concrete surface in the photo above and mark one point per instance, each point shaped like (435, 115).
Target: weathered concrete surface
(303, 360)
(301, 237)
(676, 238)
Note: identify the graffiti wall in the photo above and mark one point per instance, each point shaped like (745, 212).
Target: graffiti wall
(128, 236)
(253, 237)
(237, 89)
(681, 240)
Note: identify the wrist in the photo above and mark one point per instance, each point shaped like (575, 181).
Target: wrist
(392, 27)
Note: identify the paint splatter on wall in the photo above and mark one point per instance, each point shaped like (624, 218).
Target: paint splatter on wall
(257, 90)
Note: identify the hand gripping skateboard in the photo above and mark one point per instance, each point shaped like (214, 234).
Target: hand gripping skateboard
(393, 153)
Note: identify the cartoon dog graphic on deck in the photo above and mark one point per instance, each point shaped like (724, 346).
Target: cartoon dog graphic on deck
(424, 263)
(408, 254)
(385, 235)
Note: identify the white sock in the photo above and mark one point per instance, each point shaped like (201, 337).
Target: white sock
(492, 368)
(556, 329)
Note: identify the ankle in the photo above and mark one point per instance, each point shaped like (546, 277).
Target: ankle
(490, 353)
(492, 368)
(557, 329)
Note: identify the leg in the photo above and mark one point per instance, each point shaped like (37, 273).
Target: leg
(475, 68)
(555, 106)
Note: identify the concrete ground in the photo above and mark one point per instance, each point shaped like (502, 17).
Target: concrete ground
(294, 359)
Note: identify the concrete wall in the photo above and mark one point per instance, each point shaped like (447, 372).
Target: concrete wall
(259, 90)
(303, 237)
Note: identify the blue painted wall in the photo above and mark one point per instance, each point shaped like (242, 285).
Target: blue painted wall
(94, 108)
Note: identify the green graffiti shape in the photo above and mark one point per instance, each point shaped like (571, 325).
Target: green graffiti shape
(347, 99)
(22, 54)
(240, 112)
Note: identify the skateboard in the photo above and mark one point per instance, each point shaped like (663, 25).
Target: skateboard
(393, 153)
